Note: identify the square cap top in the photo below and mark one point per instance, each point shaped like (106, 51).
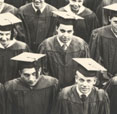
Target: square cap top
(7, 19)
(28, 57)
(112, 7)
(66, 15)
(88, 67)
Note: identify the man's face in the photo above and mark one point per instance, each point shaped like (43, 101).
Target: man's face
(65, 32)
(75, 4)
(5, 37)
(85, 84)
(114, 23)
(38, 3)
(29, 76)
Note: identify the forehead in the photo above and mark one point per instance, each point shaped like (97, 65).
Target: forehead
(28, 70)
(65, 27)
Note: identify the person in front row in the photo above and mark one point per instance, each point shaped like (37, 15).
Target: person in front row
(32, 93)
(83, 97)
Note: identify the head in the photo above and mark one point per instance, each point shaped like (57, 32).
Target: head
(65, 30)
(38, 3)
(85, 83)
(75, 4)
(113, 21)
(30, 76)
(1, 2)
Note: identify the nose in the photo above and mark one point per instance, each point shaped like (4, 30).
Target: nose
(31, 78)
(4, 37)
(65, 34)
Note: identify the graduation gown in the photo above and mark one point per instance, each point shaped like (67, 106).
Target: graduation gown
(36, 27)
(58, 63)
(9, 68)
(111, 88)
(2, 99)
(69, 102)
(21, 99)
(84, 27)
(17, 3)
(9, 8)
(103, 47)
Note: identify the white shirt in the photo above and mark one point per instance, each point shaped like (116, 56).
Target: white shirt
(68, 9)
(41, 10)
(10, 44)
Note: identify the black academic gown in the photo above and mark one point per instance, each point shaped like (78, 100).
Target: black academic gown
(59, 63)
(36, 27)
(83, 28)
(69, 102)
(111, 88)
(21, 99)
(9, 68)
(2, 99)
(103, 47)
(17, 3)
(9, 8)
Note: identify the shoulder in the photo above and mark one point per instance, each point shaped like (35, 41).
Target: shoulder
(10, 85)
(102, 31)
(65, 92)
(25, 7)
(20, 45)
(9, 6)
(88, 11)
(48, 81)
(50, 7)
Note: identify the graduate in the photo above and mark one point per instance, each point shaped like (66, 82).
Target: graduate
(82, 28)
(84, 97)
(4, 7)
(103, 44)
(32, 93)
(61, 48)
(9, 46)
(38, 22)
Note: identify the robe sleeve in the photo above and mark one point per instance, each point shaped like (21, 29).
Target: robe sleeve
(105, 103)
(2, 100)
(95, 47)
(44, 62)
(9, 98)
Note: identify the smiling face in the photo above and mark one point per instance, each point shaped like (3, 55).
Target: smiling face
(85, 84)
(29, 76)
(75, 4)
(65, 32)
(38, 3)
(5, 37)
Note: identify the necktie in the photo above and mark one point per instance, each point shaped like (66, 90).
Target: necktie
(83, 97)
(38, 12)
(64, 47)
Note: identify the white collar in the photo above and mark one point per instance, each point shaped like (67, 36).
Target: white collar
(114, 33)
(82, 93)
(68, 9)
(42, 9)
(10, 44)
(1, 7)
(61, 43)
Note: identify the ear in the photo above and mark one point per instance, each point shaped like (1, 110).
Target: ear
(95, 80)
(39, 72)
(19, 72)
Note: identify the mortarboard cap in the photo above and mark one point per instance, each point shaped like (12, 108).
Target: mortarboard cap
(7, 20)
(88, 67)
(112, 9)
(27, 59)
(66, 17)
